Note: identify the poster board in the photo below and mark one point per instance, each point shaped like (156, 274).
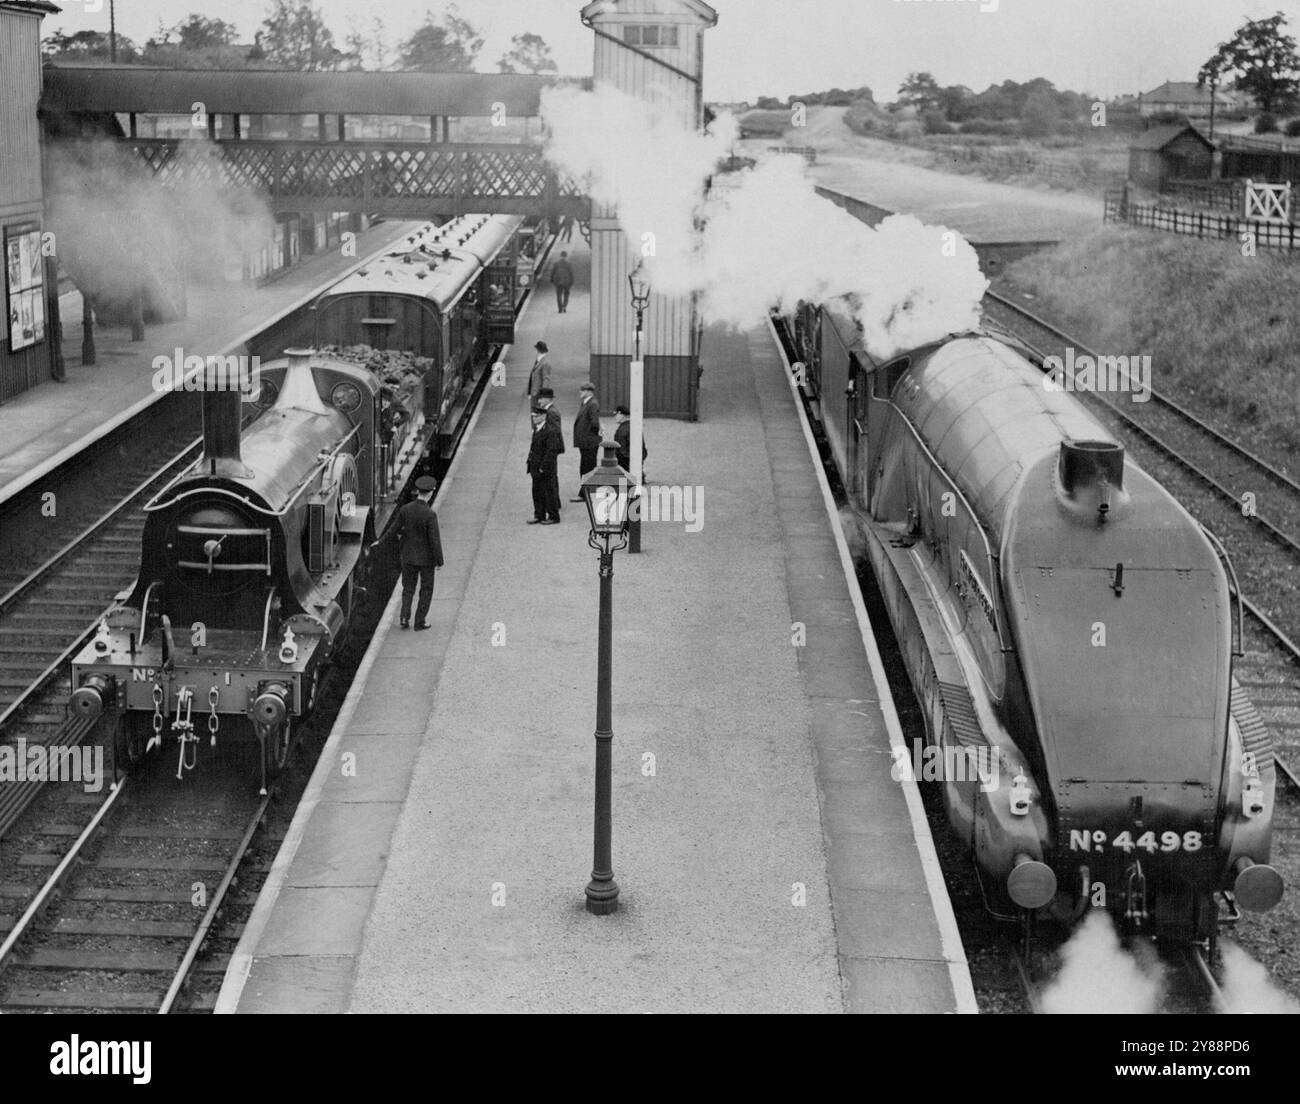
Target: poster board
(24, 286)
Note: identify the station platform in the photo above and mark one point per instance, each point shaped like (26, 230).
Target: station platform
(766, 859)
(46, 425)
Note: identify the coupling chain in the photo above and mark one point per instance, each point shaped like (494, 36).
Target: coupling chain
(214, 722)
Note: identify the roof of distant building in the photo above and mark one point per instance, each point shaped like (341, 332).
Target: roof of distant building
(1158, 137)
(1184, 92)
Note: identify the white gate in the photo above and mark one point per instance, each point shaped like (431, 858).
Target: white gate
(1268, 202)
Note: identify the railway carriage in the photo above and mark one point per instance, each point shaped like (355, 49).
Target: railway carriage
(1064, 622)
(252, 560)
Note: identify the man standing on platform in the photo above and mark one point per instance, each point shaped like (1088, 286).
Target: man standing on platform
(543, 450)
(540, 376)
(421, 546)
(586, 432)
(562, 278)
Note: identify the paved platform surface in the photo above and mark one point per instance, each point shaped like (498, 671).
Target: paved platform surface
(42, 427)
(767, 862)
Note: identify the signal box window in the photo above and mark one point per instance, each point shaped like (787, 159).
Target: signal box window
(635, 35)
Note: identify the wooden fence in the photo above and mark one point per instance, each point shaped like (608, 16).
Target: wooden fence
(1200, 224)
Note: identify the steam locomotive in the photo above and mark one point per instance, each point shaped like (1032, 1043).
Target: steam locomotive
(252, 561)
(1063, 621)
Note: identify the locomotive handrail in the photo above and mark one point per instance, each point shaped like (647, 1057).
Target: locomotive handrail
(266, 616)
(144, 611)
(207, 489)
(1222, 553)
(1003, 646)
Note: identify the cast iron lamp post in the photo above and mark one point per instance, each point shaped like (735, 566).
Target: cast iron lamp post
(640, 287)
(605, 489)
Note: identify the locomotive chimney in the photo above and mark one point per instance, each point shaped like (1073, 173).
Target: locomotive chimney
(222, 406)
(1089, 464)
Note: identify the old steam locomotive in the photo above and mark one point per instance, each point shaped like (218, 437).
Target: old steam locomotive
(253, 559)
(1061, 615)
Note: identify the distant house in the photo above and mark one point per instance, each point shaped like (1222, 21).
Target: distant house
(1185, 97)
(1170, 153)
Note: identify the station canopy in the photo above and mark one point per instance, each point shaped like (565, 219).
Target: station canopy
(137, 89)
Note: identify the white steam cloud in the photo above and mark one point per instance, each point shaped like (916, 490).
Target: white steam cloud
(1248, 988)
(1098, 976)
(768, 238)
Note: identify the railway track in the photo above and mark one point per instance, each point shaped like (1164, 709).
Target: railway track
(1264, 545)
(49, 613)
(127, 914)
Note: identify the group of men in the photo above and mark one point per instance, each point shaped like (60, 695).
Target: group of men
(417, 525)
(548, 441)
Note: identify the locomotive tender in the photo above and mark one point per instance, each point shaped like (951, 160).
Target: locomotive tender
(252, 560)
(1062, 617)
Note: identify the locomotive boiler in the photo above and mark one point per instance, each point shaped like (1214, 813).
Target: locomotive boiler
(1064, 621)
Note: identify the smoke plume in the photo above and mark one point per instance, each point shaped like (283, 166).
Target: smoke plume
(1097, 975)
(1247, 986)
(768, 238)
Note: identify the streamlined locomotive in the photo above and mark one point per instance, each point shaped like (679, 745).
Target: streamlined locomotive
(1061, 618)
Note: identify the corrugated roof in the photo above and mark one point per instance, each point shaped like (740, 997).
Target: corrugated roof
(268, 92)
(1158, 137)
(35, 7)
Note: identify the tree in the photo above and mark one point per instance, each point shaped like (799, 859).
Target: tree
(448, 47)
(89, 46)
(294, 36)
(1263, 59)
(1039, 115)
(921, 91)
(528, 54)
(199, 32)
(367, 51)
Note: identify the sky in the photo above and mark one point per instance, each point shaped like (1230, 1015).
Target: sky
(784, 47)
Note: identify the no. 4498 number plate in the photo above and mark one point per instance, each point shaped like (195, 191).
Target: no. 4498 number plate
(1084, 839)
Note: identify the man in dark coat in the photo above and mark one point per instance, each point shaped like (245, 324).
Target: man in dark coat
(562, 278)
(623, 439)
(586, 431)
(542, 465)
(421, 550)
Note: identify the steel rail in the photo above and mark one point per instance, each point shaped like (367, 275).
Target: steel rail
(1160, 397)
(91, 530)
(214, 905)
(52, 882)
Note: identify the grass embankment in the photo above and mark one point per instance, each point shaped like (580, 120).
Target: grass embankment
(1222, 330)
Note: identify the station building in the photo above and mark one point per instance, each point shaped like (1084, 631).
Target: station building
(29, 349)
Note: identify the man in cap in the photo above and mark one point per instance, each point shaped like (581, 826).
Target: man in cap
(543, 450)
(623, 439)
(586, 431)
(421, 550)
(540, 376)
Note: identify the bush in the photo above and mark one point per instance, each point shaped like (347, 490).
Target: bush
(1006, 128)
(1167, 118)
(1266, 123)
(908, 131)
(934, 122)
(1293, 129)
